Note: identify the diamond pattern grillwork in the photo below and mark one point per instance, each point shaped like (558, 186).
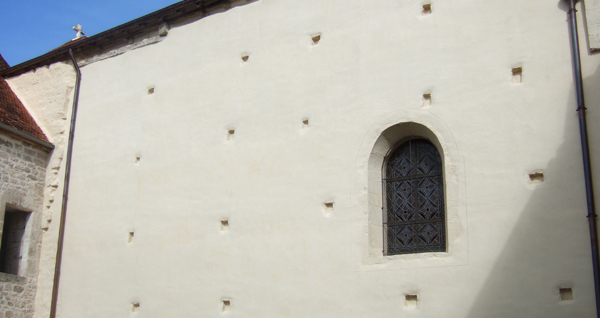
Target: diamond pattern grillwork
(416, 221)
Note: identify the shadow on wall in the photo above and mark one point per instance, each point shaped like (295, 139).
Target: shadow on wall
(549, 246)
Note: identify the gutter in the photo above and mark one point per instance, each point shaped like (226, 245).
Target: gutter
(63, 212)
(585, 151)
(46, 145)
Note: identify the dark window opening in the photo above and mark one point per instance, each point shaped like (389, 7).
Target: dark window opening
(13, 231)
(414, 218)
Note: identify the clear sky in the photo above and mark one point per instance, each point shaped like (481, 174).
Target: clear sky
(30, 28)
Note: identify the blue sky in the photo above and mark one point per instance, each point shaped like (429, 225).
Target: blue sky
(30, 28)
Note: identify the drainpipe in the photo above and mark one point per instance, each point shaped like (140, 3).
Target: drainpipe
(587, 170)
(63, 211)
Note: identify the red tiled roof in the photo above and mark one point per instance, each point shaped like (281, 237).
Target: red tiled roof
(3, 64)
(15, 115)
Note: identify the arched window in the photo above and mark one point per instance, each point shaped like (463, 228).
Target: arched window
(414, 216)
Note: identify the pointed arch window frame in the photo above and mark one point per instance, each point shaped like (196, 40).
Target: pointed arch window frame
(440, 222)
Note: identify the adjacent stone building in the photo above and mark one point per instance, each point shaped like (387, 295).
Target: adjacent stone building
(24, 154)
(354, 158)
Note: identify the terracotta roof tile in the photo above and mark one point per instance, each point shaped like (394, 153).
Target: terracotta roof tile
(15, 115)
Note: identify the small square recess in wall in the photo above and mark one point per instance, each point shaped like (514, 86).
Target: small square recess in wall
(566, 294)
(411, 301)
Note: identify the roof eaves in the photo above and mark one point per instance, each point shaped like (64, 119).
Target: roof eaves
(173, 12)
(46, 145)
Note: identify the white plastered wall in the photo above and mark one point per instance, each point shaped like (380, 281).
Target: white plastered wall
(286, 254)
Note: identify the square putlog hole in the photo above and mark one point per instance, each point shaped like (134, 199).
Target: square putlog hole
(517, 75)
(224, 225)
(328, 209)
(226, 306)
(316, 38)
(135, 307)
(411, 301)
(426, 100)
(536, 177)
(230, 134)
(305, 123)
(427, 9)
(566, 294)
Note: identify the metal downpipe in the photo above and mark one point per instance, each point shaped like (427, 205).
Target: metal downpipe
(63, 212)
(585, 151)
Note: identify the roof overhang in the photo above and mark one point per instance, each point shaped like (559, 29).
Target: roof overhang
(138, 26)
(21, 135)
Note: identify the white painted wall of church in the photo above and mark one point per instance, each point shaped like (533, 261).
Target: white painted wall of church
(512, 246)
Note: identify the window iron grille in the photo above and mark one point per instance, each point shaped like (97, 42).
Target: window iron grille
(414, 216)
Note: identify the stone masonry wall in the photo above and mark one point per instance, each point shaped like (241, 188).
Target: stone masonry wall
(47, 94)
(17, 296)
(22, 176)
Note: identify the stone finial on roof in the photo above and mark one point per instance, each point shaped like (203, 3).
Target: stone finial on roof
(79, 31)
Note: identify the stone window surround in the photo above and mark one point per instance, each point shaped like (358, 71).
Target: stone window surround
(8, 201)
(382, 136)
